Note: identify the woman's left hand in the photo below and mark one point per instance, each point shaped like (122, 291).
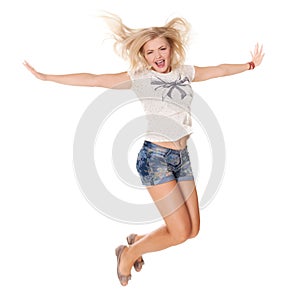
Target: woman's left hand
(257, 55)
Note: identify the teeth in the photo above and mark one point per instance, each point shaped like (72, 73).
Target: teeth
(159, 62)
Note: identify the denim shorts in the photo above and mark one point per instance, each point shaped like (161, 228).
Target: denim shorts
(156, 164)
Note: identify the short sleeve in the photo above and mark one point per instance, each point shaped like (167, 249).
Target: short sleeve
(139, 80)
(132, 75)
(189, 71)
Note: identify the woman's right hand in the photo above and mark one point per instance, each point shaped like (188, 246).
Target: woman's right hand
(38, 75)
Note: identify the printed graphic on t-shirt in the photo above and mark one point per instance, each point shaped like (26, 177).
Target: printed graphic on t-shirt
(172, 89)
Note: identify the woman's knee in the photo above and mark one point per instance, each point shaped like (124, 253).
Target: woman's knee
(194, 231)
(181, 233)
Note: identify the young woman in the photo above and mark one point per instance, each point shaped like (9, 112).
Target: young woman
(162, 81)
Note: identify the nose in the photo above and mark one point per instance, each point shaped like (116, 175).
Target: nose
(157, 54)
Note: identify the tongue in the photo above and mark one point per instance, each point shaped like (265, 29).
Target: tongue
(161, 64)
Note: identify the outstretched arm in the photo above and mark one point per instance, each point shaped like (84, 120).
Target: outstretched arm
(118, 80)
(205, 73)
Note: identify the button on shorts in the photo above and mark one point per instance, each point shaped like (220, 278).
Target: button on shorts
(156, 164)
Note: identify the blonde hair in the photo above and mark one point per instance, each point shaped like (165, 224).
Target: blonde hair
(129, 42)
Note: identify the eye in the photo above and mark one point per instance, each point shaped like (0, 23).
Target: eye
(163, 48)
(149, 52)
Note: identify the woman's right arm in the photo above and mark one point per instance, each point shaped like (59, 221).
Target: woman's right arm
(118, 80)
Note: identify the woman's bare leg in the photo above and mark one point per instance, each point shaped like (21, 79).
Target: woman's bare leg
(171, 204)
(189, 192)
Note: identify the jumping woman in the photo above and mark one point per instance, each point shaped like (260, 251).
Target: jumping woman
(162, 81)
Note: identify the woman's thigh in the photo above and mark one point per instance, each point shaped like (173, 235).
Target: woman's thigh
(189, 191)
(172, 207)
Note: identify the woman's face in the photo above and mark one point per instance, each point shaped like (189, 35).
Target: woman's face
(157, 53)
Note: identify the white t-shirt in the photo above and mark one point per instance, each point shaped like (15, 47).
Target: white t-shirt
(166, 99)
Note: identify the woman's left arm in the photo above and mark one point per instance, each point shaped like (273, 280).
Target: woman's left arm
(205, 73)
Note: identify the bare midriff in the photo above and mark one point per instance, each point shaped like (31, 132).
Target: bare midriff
(176, 145)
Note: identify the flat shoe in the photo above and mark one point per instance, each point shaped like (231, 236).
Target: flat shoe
(138, 264)
(122, 278)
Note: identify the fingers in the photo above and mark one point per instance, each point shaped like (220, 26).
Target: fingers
(25, 63)
(261, 49)
(38, 75)
(28, 66)
(257, 54)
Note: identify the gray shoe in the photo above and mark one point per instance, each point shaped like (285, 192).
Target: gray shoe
(122, 278)
(138, 264)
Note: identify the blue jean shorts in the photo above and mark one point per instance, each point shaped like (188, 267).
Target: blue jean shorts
(156, 164)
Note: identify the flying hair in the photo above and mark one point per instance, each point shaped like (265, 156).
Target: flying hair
(129, 42)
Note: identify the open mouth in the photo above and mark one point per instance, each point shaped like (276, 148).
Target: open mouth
(160, 63)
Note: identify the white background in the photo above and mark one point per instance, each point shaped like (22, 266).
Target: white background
(54, 245)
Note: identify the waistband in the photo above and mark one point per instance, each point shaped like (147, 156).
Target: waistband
(150, 145)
